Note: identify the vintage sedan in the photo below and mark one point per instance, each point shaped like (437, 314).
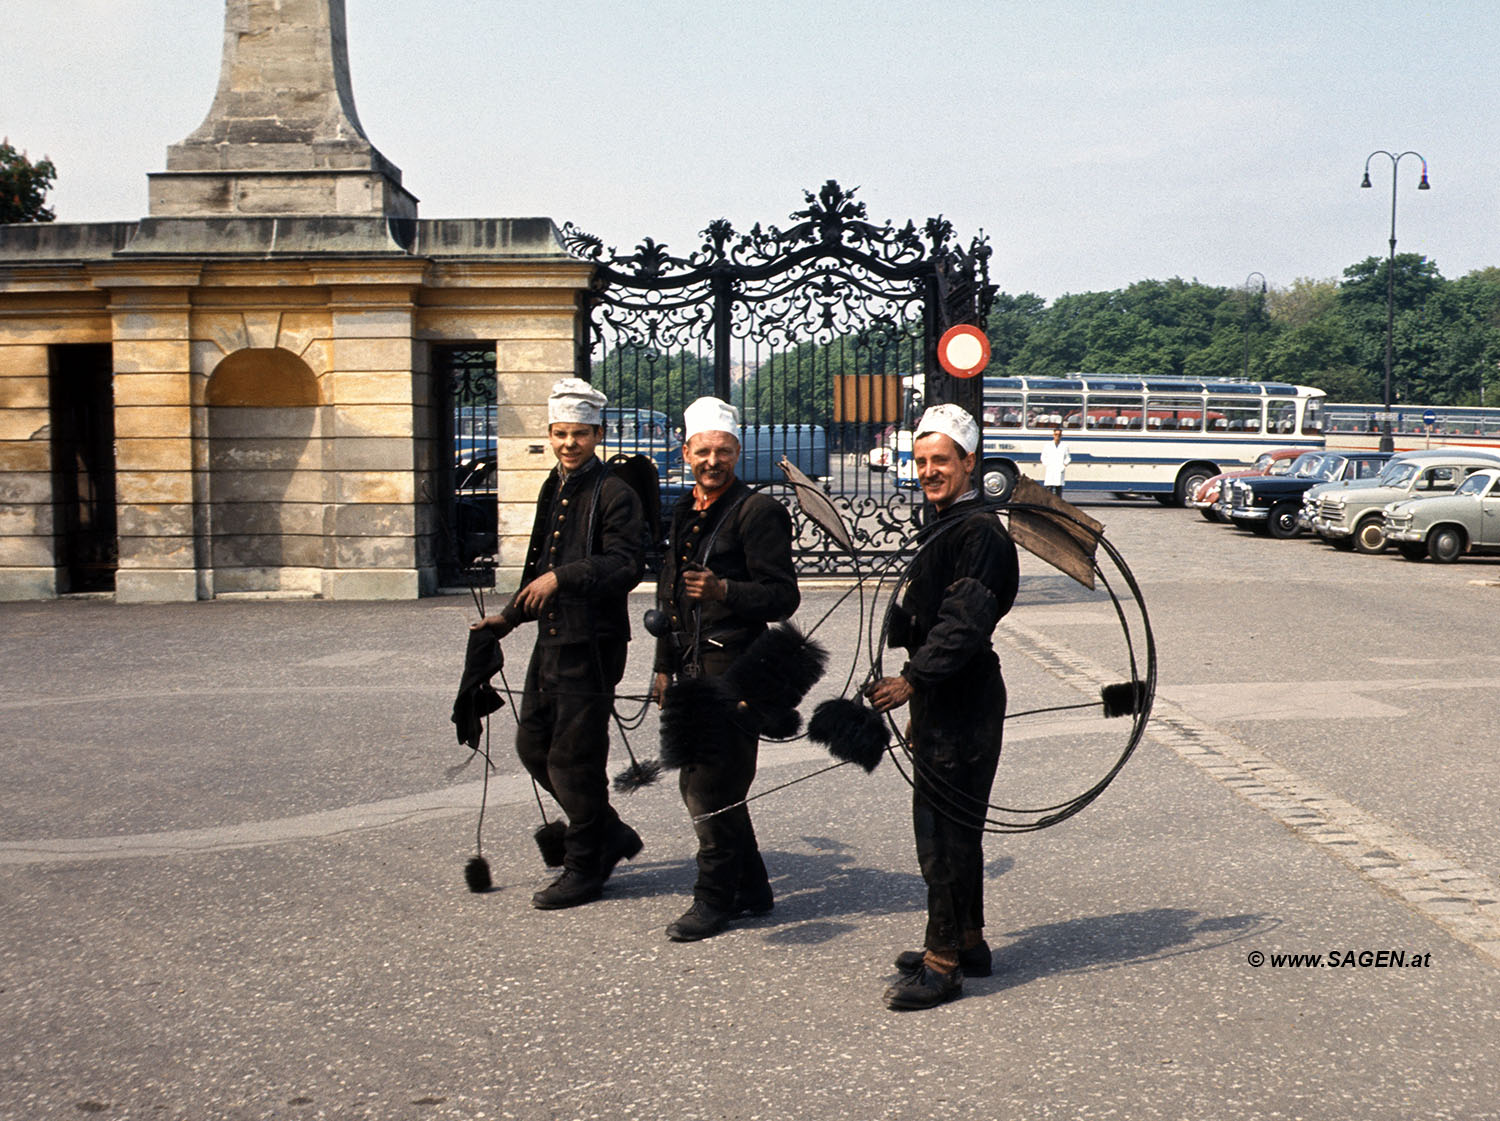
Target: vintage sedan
(1466, 521)
(1270, 504)
(1207, 494)
(1354, 519)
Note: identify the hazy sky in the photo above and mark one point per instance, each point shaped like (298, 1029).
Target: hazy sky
(1096, 143)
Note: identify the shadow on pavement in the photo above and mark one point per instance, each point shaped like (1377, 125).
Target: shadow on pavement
(1085, 945)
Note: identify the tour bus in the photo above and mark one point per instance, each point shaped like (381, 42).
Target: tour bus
(1140, 435)
(1413, 427)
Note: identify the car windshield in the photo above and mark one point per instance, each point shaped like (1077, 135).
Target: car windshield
(1475, 484)
(1306, 466)
(1330, 467)
(1264, 460)
(1398, 474)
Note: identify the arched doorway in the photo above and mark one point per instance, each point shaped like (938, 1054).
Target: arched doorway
(265, 477)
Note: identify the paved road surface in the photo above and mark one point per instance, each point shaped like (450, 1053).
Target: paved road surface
(231, 874)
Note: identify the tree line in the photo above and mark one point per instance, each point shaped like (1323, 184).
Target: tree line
(1330, 334)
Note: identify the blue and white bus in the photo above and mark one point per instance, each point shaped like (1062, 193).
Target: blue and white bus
(1141, 435)
(1413, 427)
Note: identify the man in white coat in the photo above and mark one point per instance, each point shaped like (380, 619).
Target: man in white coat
(1055, 459)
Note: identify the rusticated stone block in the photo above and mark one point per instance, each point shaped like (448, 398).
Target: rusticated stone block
(265, 454)
(373, 552)
(147, 585)
(154, 454)
(23, 360)
(377, 453)
(154, 486)
(23, 424)
(370, 520)
(153, 389)
(264, 550)
(26, 487)
(173, 519)
(373, 486)
(379, 420)
(157, 552)
(258, 422)
(24, 393)
(278, 581)
(25, 455)
(25, 519)
(247, 518)
(152, 421)
(367, 584)
(262, 486)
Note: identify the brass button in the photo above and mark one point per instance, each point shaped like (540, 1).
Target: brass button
(557, 533)
(552, 631)
(564, 501)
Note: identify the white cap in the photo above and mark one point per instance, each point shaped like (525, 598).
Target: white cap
(709, 414)
(952, 422)
(575, 401)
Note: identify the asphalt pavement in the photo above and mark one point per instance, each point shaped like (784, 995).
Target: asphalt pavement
(232, 839)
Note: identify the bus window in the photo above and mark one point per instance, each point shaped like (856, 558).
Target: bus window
(1002, 410)
(1053, 410)
(1238, 414)
(1174, 414)
(1312, 416)
(1126, 411)
(1284, 418)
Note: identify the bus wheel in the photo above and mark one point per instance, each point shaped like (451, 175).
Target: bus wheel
(999, 481)
(1445, 545)
(1190, 480)
(1283, 521)
(1369, 537)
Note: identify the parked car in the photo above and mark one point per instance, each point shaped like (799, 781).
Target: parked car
(1309, 511)
(1353, 519)
(1269, 503)
(1209, 491)
(1445, 528)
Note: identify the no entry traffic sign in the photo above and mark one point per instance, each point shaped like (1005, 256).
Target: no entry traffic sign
(963, 350)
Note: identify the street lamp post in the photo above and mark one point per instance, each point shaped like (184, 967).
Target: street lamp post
(1387, 441)
(1245, 330)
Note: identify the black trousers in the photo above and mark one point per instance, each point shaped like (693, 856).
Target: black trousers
(562, 738)
(956, 736)
(729, 860)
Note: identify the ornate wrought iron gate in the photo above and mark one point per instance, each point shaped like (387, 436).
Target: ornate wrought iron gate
(824, 334)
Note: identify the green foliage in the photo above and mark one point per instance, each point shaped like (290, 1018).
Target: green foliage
(1325, 333)
(24, 186)
(634, 376)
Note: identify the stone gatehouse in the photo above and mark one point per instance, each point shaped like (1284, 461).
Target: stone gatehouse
(239, 394)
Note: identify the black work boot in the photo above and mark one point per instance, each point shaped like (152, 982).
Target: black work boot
(924, 988)
(754, 901)
(620, 843)
(698, 922)
(973, 962)
(570, 889)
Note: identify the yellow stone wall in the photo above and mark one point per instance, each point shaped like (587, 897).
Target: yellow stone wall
(329, 495)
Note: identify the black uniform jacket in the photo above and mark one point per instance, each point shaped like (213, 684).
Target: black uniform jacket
(588, 530)
(749, 547)
(962, 581)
